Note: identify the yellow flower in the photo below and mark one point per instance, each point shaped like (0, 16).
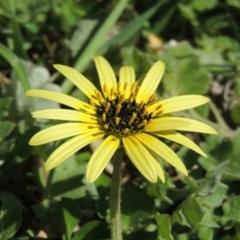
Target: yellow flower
(124, 114)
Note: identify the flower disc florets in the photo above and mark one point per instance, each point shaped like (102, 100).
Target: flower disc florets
(121, 115)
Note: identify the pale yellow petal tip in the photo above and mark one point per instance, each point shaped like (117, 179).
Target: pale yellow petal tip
(90, 177)
(154, 177)
(90, 180)
(210, 130)
(55, 65)
(99, 58)
(206, 99)
(31, 142)
(59, 66)
(162, 179)
(51, 163)
(160, 64)
(214, 132)
(200, 100)
(185, 172)
(27, 92)
(204, 155)
(48, 169)
(48, 166)
(36, 93)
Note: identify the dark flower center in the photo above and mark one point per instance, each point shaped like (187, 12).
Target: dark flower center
(125, 114)
(122, 117)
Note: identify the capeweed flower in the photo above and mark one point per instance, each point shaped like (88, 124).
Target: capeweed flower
(123, 114)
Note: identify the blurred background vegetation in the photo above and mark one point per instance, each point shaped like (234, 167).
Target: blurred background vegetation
(199, 42)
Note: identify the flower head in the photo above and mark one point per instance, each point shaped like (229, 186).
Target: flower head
(123, 114)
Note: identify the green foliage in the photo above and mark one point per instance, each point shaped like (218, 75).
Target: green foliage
(164, 226)
(10, 217)
(71, 213)
(199, 42)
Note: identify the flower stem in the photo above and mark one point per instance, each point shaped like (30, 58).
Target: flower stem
(115, 197)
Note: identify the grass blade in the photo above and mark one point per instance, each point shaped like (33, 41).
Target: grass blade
(132, 28)
(17, 67)
(96, 42)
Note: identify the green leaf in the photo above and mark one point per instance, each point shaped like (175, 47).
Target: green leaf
(185, 214)
(234, 3)
(72, 12)
(48, 213)
(225, 42)
(237, 87)
(6, 128)
(210, 220)
(10, 217)
(216, 198)
(137, 207)
(71, 215)
(181, 50)
(135, 58)
(102, 185)
(205, 233)
(93, 230)
(231, 208)
(4, 106)
(212, 180)
(66, 180)
(22, 148)
(203, 5)
(164, 226)
(218, 150)
(237, 230)
(235, 111)
(181, 79)
(187, 12)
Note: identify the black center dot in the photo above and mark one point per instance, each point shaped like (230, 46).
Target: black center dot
(125, 114)
(122, 118)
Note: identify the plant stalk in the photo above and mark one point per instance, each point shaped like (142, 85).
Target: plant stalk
(115, 197)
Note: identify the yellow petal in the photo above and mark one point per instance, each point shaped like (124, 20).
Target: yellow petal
(61, 131)
(106, 75)
(179, 138)
(70, 147)
(163, 124)
(65, 114)
(140, 157)
(159, 170)
(194, 126)
(78, 79)
(127, 76)
(151, 81)
(100, 158)
(61, 98)
(157, 166)
(180, 103)
(162, 150)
